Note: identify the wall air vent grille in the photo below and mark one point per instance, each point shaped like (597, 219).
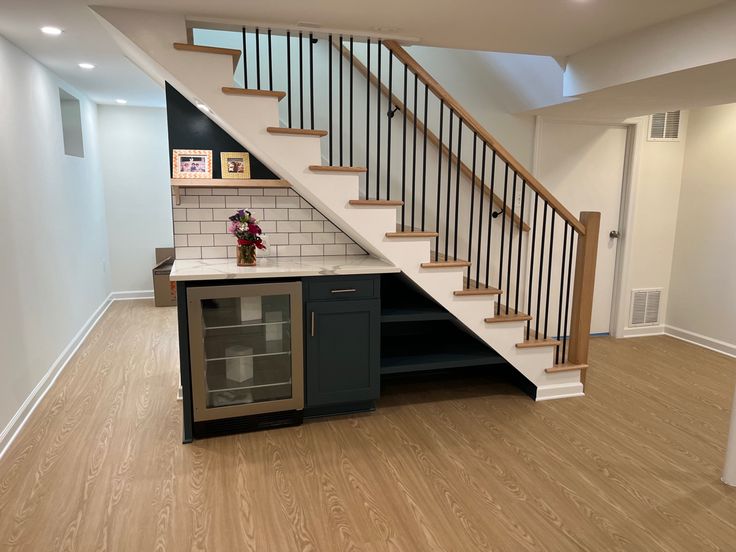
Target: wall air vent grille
(645, 307)
(664, 127)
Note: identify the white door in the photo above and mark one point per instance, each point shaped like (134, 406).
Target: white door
(583, 166)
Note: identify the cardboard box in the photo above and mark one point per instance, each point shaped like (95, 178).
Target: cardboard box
(164, 291)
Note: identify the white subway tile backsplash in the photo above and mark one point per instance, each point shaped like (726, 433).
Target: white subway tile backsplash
(299, 238)
(263, 201)
(287, 202)
(219, 227)
(199, 214)
(300, 214)
(312, 226)
(335, 249)
(323, 237)
(200, 240)
(292, 227)
(186, 228)
(212, 201)
(312, 250)
(214, 252)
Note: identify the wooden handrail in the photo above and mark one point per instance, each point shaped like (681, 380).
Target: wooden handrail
(486, 136)
(431, 136)
(582, 295)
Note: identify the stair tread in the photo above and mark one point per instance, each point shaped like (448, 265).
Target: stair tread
(446, 264)
(206, 49)
(512, 316)
(296, 131)
(232, 91)
(328, 168)
(532, 343)
(478, 291)
(566, 367)
(377, 202)
(412, 234)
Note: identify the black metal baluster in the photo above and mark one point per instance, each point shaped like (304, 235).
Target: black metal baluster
(288, 76)
(567, 295)
(521, 239)
(490, 216)
(501, 243)
(531, 264)
(472, 207)
(351, 69)
(258, 60)
(414, 155)
(549, 268)
(424, 155)
(541, 271)
(480, 212)
(562, 289)
(311, 81)
(301, 81)
(389, 122)
(378, 125)
(439, 184)
(329, 93)
(245, 61)
(403, 157)
(339, 116)
(367, 118)
(511, 244)
(449, 181)
(270, 63)
(457, 183)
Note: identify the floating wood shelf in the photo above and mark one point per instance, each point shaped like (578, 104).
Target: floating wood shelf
(178, 183)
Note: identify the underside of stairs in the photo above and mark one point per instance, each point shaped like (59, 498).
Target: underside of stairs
(158, 43)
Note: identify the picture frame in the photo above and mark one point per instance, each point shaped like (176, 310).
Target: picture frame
(235, 164)
(192, 163)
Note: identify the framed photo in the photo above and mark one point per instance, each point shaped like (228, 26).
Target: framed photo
(192, 163)
(235, 164)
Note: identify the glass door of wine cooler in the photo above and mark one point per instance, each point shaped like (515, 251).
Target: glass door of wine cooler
(246, 349)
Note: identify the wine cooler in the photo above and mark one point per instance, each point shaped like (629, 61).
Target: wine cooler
(246, 349)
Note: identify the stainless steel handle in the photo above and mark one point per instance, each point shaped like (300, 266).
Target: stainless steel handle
(350, 290)
(614, 234)
(312, 323)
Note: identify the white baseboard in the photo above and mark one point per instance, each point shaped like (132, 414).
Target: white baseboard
(559, 391)
(646, 331)
(716, 345)
(123, 295)
(10, 432)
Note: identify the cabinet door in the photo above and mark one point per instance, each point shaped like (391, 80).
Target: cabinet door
(342, 351)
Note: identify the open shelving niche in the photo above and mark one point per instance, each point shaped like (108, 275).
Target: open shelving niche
(419, 335)
(178, 183)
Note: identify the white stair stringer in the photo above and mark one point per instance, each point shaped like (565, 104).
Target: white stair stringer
(147, 39)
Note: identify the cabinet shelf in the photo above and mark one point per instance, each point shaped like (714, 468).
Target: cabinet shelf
(178, 183)
(218, 359)
(248, 387)
(247, 325)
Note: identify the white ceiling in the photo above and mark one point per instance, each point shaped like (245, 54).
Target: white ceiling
(552, 27)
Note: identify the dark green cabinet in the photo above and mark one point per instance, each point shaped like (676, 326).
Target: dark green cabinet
(342, 346)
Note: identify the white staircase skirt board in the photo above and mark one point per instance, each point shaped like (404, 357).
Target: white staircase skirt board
(148, 37)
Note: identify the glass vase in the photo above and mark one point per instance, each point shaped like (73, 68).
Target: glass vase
(246, 255)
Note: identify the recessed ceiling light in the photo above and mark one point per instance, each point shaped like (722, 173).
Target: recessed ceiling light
(203, 107)
(53, 31)
(121, 101)
(86, 66)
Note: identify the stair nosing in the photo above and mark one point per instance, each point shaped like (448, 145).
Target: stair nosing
(566, 367)
(478, 292)
(376, 202)
(412, 234)
(233, 91)
(296, 131)
(330, 168)
(446, 264)
(535, 343)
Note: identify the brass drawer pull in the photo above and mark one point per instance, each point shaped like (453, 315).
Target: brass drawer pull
(350, 290)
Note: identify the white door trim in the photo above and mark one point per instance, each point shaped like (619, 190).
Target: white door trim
(635, 132)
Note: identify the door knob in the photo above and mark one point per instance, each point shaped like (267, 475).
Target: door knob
(614, 234)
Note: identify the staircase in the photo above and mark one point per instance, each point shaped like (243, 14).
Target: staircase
(417, 180)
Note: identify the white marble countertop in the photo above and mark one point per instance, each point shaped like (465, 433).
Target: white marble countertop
(279, 267)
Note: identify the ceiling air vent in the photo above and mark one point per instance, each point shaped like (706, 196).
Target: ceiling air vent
(664, 127)
(645, 307)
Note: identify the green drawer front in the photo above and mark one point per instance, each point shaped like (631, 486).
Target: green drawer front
(323, 288)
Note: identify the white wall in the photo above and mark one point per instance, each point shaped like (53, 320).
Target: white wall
(54, 249)
(134, 155)
(703, 295)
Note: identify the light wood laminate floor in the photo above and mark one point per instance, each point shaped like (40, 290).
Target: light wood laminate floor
(468, 464)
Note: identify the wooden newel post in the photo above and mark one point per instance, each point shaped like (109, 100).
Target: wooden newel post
(582, 296)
